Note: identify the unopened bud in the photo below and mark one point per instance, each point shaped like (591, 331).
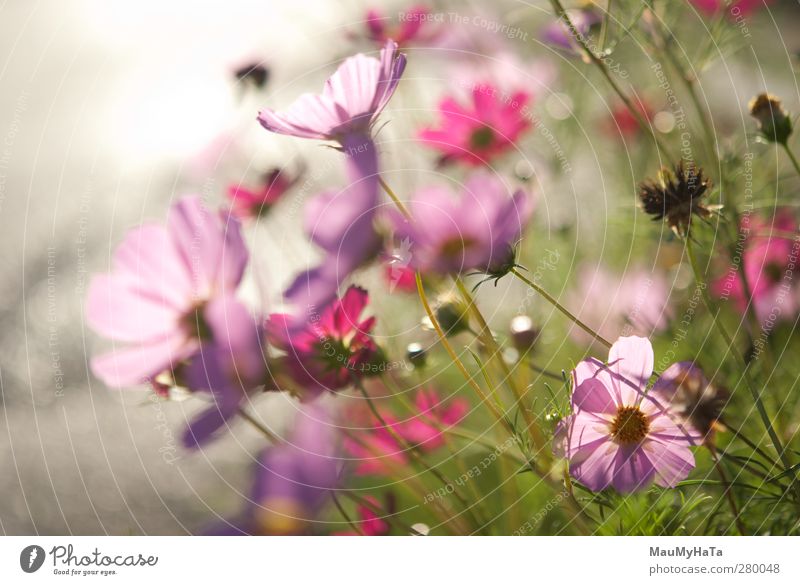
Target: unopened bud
(773, 121)
(416, 354)
(523, 333)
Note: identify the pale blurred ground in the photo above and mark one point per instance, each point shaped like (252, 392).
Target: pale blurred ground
(107, 111)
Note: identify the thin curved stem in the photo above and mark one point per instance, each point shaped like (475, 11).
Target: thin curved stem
(550, 299)
(762, 411)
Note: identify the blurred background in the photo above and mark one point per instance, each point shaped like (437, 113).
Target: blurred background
(109, 109)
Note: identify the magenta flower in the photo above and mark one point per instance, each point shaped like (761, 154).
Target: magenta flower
(292, 480)
(341, 224)
(477, 231)
(767, 260)
(636, 301)
(414, 25)
(734, 9)
(618, 436)
(228, 366)
(247, 203)
(369, 522)
(332, 347)
(154, 299)
(378, 450)
(479, 132)
(348, 105)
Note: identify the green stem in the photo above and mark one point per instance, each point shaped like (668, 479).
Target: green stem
(550, 299)
(762, 411)
(561, 13)
(792, 157)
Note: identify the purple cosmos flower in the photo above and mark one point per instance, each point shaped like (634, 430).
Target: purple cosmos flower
(477, 231)
(333, 346)
(292, 480)
(154, 299)
(692, 397)
(348, 105)
(557, 32)
(617, 435)
(341, 224)
(229, 364)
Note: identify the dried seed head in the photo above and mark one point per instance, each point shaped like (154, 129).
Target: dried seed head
(675, 195)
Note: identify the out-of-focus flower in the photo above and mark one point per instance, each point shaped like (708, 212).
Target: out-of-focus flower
(451, 313)
(558, 33)
(255, 74)
(770, 252)
(690, 395)
(478, 132)
(398, 273)
(623, 123)
(476, 231)
(415, 25)
(774, 122)
(676, 196)
(378, 450)
(332, 348)
(614, 305)
(734, 9)
(249, 203)
(154, 301)
(349, 104)
(229, 364)
(369, 522)
(617, 435)
(341, 224)
(292, 480)
(424, 429)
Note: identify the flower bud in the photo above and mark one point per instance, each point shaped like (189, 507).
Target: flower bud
(451, 314)
(523, 333)
(773, 121)
(416, 354)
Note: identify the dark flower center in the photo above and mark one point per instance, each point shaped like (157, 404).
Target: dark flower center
(455, 247)
(630, 425)
(773, 272)
(195, 322)
(482, 137)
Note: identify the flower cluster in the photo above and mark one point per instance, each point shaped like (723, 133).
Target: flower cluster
(391, 397)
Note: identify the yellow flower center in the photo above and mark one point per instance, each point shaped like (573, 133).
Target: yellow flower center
(630, 425)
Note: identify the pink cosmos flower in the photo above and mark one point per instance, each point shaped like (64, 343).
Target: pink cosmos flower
(478, 132)
(766, 261)
(249, 203)
(332, 347)
(349, 104)
(618, 435)
(736, 8)
(636, 301)
(378, 450)
(424, 429)
(154, 301)
(414, 25)
(368, 521)
(476, 231)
